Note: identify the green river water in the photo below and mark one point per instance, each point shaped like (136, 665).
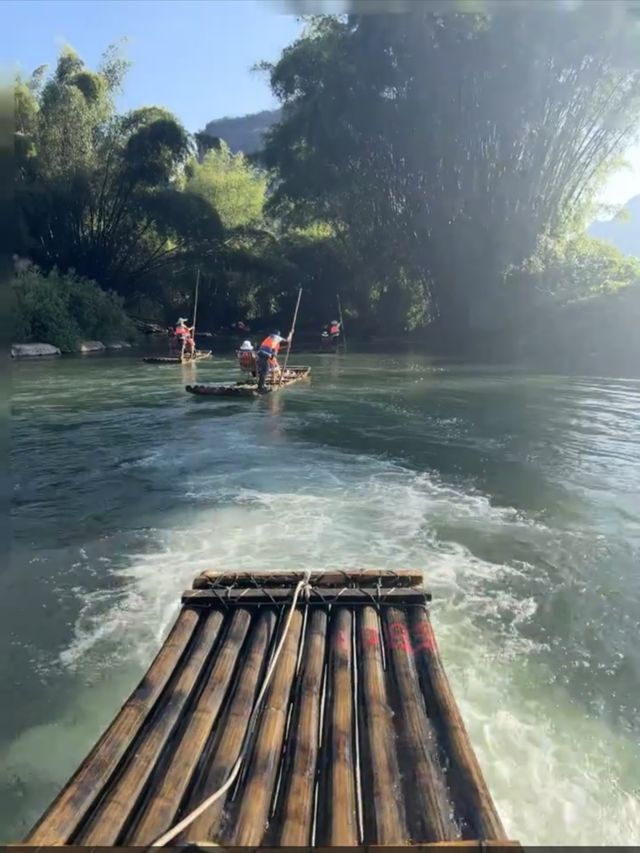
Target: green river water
(517, 494)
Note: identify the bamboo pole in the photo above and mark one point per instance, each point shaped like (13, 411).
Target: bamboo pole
(384, 809)
(342, 332)
(428, 806)
(121, 800)
(340, 813)
(253, 812)
(299, 799)
(195, 306)
(233, 727)
(469, 789)
(165, 797)
(73, 803)
(193, 325)
(293, 328)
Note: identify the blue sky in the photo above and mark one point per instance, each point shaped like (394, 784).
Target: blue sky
(191, 56)
(626, 183)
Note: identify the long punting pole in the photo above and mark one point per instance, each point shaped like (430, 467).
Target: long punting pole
(193, 325)
(195, 305)
(344, 337)
(293, 328)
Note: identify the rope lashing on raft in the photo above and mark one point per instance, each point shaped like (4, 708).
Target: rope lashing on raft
(168, 836)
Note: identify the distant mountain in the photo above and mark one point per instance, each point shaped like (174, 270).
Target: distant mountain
(244, 133)
(623, 231)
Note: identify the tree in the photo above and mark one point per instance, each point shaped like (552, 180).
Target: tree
(98, 192)
(569, 270)
(442, 147)
(232, 187)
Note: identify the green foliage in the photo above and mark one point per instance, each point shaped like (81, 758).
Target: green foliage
(564, 271)
(101, 193)
(121, 200)
(442, 147)
(63, 310)
(433, 167)
(156, 144)
(113, 67)
(232, 187)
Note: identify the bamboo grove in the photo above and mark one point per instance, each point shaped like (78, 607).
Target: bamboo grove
(431, 165)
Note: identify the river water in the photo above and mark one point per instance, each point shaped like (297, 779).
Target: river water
(518, 495)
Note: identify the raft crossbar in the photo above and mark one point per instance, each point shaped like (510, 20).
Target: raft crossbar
(331, 578)
(314, 596)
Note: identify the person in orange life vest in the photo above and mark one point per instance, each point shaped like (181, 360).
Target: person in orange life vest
(247, 358)
(268, 357)
(334, 329)
(184, 336)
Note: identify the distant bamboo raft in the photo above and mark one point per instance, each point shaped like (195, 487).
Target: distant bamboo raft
(359, 739)
(199, 355)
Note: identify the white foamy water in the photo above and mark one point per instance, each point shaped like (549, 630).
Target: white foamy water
(555, 775)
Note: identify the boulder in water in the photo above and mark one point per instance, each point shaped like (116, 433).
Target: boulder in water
(119, 345)
(33, 350)
(91, 346)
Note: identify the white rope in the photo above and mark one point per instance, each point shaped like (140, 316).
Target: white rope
(189, 819)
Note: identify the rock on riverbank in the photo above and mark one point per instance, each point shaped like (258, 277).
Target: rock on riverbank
(33, 350)
(91, 346)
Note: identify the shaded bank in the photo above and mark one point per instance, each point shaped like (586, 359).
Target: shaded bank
(597, 335)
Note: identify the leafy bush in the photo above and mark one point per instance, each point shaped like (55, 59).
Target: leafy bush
(563, 271)
(64, 310)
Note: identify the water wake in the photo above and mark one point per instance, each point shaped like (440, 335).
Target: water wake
(556, 775)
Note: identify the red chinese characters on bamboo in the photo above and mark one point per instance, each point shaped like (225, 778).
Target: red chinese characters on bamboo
(398, 636)
(371, 637)
(342, 640)
(400, 640)
(425, 638)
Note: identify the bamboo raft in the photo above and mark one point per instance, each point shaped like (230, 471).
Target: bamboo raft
(358, 740)
(176, 359)
(250, 389)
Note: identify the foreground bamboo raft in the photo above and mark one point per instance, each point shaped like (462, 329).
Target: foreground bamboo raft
(250, 389)
(359, 739)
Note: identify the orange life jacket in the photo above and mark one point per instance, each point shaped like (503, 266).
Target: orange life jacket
(270, 346)
(182, 332)
(246, 358)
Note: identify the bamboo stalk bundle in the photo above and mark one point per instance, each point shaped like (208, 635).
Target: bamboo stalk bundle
(306, 709)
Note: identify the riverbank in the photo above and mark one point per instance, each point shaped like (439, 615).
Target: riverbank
(618, 362)
(38, 350)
